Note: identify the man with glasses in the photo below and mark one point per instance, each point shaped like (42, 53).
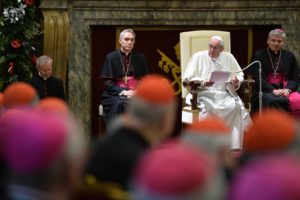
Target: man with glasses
(218, 98)
(280, 74)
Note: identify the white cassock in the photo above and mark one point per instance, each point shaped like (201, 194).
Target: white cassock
(216, 99)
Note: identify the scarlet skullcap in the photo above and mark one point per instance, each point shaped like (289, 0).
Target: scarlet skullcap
(209, 125)
(270, 178)
(155, 89)
(273, 130)
(19, 94)
(53, 104)
(210, 134)
(35, 142)
(172, 170)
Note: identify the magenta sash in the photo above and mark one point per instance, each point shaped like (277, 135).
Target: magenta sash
(294, 99)
(275, 78)
(131, 83)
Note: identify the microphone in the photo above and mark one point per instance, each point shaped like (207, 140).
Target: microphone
(259, 78)
(260, 83)
(248, 66)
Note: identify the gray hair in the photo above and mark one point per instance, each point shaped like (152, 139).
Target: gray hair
(126, 30)
(148, 113)
(42, 60)
(219, 38)
(277, 32)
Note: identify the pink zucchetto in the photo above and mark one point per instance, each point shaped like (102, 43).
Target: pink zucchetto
(275, 177)
(172, 171)
(7, 123)
(34, 142)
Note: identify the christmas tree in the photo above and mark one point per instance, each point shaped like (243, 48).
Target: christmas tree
(20, 39)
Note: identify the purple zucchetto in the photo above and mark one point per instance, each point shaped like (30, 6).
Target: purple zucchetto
(271, 178)
(34, 141)
(7, 123)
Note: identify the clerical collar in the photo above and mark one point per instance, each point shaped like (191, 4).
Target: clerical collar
(123, 53)
(273, 52)
(42, 77)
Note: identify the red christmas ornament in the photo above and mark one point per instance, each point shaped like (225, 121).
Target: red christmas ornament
(15, 43)
(29, 2)
(33, 59)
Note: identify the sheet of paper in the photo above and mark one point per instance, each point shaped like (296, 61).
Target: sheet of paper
(220, 76)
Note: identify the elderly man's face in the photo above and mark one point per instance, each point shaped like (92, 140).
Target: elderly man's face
(45, 70)
(214, 48)
(127, 42)
(275, 43)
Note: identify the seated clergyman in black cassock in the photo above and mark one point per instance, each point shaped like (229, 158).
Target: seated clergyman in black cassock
(121, 71)
(279, 76)
(45, 83)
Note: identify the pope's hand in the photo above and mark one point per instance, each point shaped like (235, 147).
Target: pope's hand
(208, 83)
(128, 93)
(235, 81)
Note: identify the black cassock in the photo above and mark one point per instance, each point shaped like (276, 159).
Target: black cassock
(284, 63)
(51, 87)
(116, 67)
(114, 159)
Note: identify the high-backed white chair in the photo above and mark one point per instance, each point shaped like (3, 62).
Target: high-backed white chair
(190, 43)
(194, 41)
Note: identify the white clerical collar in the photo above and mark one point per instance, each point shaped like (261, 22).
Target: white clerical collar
(125, 52)
(42, 76)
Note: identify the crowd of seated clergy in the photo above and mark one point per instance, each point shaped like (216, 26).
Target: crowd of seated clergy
(46, 156)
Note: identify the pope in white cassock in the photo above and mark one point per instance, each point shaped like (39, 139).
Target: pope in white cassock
(218, 98)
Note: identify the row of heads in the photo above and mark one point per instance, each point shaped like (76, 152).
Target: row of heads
(37, 134)
(188, 168)
(154, 89)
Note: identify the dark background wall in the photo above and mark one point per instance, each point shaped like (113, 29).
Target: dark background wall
(164, 40)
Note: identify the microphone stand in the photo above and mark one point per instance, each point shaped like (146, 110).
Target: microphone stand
(260, 84)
